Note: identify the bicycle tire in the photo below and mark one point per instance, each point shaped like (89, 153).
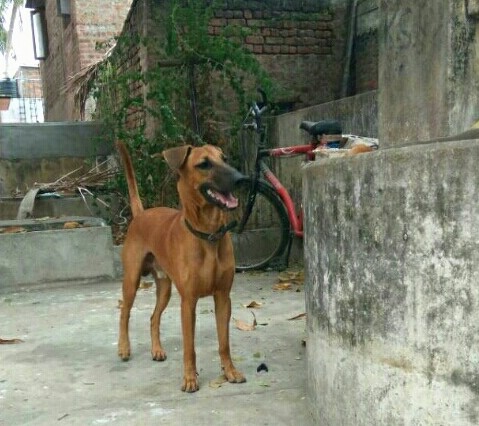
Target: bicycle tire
(266, 234)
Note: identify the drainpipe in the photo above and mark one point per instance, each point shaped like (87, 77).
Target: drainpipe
(349, 50)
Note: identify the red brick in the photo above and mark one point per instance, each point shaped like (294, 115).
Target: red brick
(274, 40)
(254, 39)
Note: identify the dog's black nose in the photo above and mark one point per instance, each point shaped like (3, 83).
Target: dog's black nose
(227, 177)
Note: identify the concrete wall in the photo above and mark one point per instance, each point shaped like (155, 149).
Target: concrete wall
(55, 254)
(428, 70)
(44, 152)
(391, 238)
(392, 266)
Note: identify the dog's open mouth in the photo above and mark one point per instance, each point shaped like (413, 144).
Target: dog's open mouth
(223, 200)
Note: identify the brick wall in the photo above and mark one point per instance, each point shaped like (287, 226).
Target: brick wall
(301, 44)
(365, 63)
(73, 45)
(364, 66)
(134, 60)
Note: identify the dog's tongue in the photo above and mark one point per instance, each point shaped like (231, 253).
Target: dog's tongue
(230, 201)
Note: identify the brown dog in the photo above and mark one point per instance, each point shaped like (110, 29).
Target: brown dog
(190, 247)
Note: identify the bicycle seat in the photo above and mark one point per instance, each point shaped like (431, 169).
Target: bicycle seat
(323, 127)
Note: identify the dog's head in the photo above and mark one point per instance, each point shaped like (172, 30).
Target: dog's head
(204, 170)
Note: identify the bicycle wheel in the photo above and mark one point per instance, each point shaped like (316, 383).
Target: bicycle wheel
(266, 233)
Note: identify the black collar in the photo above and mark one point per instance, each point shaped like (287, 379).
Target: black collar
(214, 236)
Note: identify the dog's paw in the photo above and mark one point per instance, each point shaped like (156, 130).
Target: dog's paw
(190, 384)
(124, 352)
(234, 376)
(158, 354)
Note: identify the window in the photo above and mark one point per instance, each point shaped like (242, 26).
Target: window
(39, 30)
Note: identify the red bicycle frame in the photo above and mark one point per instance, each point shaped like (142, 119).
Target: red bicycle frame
(295, 218)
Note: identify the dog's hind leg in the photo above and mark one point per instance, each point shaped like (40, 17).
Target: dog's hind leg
(131, 281)
(163, 294)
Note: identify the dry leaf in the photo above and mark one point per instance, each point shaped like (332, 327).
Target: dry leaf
(146, 284)
(216, 383)
(13, 230)
(10, 341)
(303, 315)
(71, 225)
(253, 305)
(296, 277)
(282, 286)
(244, 326)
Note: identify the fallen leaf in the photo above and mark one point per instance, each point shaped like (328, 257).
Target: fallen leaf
(303, 315)
(295, 276)
(146, 284)
(257, 355)
(10, 341)
(71, 225)
(253, 305)
(244, 326)
(282, 286)
(218, 382)
(13, 230)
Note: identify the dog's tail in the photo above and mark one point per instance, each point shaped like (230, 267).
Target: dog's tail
(135, 200)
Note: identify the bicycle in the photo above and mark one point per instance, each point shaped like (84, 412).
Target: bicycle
(267, 218)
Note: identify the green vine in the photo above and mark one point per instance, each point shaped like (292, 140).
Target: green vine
(216, 73)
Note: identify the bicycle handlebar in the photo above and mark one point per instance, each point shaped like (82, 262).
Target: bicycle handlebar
(256, 111)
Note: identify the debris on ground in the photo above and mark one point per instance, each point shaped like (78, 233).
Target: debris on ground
(297, 317)
(289, 280)
(244, 326)
(253, 305)
(10, 341)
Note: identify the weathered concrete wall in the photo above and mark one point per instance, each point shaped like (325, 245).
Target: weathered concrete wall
(392, 266)
(428, 69)
(56, 254)
(391, 238)
(44, 152)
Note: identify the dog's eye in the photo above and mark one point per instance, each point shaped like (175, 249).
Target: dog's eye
(204, 165)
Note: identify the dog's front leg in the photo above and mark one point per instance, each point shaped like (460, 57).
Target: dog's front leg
(188, 321)
(223, 315)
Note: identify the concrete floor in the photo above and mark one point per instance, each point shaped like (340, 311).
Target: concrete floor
(67, 372)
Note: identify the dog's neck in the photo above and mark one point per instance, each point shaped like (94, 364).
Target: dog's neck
(206, 222)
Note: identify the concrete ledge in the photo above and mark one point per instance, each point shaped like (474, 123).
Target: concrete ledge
(48, 255)
(392, 266)
(52, 140)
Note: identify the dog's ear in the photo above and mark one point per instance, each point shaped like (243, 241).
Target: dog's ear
(176, 157)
